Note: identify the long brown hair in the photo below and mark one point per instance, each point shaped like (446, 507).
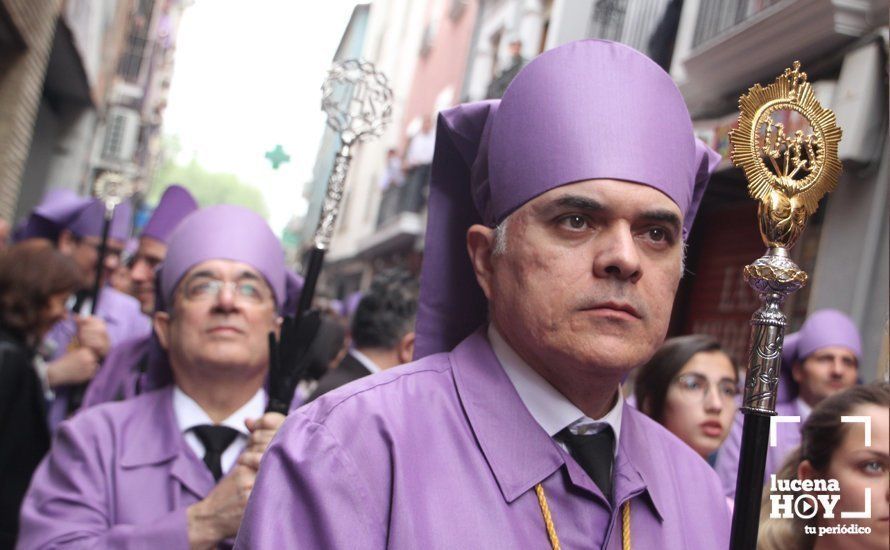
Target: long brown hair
(821, 435)
(30, 272)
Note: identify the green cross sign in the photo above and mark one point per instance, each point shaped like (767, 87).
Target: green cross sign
(277, 157)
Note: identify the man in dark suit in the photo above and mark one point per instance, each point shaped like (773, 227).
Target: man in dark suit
(382, 331)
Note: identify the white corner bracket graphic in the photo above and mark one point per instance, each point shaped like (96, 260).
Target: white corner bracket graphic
(863, 514)
(773, 420)
(864, 420)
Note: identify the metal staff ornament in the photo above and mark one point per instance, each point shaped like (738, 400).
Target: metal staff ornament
(358, 103)
(786, 144)
(112, 189)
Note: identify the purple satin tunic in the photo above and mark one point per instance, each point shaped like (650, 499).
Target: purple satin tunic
(442, 453)
(119, 475)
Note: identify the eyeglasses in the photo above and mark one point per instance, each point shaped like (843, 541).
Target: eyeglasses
(204, 288)
(697, 386)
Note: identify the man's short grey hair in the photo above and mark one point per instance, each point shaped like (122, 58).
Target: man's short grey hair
(500, 244)
(500, 238)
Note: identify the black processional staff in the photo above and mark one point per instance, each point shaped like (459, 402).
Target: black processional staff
(111, 188)
(786, 144)
(358, 102)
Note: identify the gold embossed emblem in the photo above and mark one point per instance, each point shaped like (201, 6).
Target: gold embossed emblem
(786, 143)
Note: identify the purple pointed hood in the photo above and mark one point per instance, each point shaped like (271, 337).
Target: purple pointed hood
(224, 232)
(57, 209)
(176, 203)
(90, 220)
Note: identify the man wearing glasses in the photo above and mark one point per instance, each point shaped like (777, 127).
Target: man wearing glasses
(76, 346)
(173, 468)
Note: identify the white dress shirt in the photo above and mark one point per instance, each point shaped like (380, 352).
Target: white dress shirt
(189, 415)
(551, 409)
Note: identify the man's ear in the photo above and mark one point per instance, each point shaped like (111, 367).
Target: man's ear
(161, 324)
(797, 371)
(480, 244)
(66, 242)
(405, 348)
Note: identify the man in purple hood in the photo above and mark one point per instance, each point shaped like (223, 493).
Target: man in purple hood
(75, 347)
(125, 372)
(818, 361)
(554, 249)
(172, 468)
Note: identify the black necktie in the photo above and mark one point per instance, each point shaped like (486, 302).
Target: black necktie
(216, 439)
(595, 453)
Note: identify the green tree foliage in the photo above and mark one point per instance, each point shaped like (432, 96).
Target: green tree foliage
(207, 187)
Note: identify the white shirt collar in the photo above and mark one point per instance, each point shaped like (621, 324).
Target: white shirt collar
(189, 414)
(551, 409)
(364, 360)
(803, 409)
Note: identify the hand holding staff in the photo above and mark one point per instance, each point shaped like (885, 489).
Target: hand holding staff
(788, 171)
(358, 102)
(112, 189)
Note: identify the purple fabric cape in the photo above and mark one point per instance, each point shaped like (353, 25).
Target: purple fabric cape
(442, 453)
(118, 476)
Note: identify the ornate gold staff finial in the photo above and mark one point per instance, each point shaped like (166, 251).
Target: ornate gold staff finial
(786, 143)
(788, 172)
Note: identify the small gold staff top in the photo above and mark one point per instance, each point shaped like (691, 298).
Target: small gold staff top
(788, 171)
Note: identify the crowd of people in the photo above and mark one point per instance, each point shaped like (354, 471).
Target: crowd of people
(518, 394)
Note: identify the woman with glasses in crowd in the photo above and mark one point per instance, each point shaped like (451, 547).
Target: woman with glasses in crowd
(690, 387)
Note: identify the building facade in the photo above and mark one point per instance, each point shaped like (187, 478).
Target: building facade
(83, 86)
(392, 43)
(723, 48)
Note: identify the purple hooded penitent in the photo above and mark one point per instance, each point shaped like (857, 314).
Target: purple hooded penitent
(176, 203)
(56, 210)
(568, 116)
(824, 328)
(224, 232)
(444, 452)
(90, 220)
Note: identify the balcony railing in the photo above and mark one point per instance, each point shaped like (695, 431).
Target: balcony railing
(630, 23)
(410, 196)
(717, 16)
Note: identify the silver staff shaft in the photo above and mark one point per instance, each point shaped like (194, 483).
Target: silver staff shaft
(774, 277)
(330, 208)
